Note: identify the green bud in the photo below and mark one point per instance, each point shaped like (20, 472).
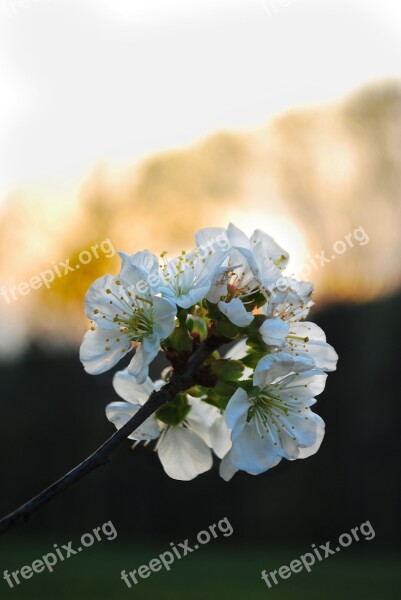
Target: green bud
(198, 325)
(179, 340)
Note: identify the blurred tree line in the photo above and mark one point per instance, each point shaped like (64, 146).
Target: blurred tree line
(328, 169)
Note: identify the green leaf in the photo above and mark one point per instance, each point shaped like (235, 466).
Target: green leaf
(260, 299)
(214, 400)
(247, 385)
(174, 412)
(197, 391)
(252, 359)
(224, 390)
(217, 401)
(252, 330)
(217, 396)
(226, 328)
(227, 369)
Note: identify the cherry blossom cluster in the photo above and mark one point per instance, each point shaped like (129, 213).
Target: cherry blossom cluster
(250, 405)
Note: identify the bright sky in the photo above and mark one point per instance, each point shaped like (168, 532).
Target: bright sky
(84, 81)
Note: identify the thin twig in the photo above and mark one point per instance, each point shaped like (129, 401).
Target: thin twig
(178, 383)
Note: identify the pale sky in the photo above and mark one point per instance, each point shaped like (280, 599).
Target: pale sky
(89, 81)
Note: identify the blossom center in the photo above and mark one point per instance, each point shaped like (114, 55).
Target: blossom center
(179, 275)
(134, 313)
(267, 412)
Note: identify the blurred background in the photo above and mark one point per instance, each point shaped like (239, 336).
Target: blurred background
(130, 125)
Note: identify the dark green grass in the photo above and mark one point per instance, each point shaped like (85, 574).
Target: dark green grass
(212, 572)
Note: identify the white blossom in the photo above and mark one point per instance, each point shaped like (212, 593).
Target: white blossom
(125, 318)
(185, 450)
(285, 332)
(253, 264)
(274, 420)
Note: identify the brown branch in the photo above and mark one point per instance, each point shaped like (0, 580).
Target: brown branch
(178, 383)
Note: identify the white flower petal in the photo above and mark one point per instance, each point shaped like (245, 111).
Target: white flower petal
(164, 312)
(187, 279)
(236, 312)
(302, 387)
(139, 269)
(237, 238)
(264, 268)
(147, 351)
(93, 352)
(209, 237)
(274, 331)
(238, 351)
(128, 388)
(323, 355)
(183, 454)
(306, 452)
(227, 469)
(192, 297)
(201, 418)
(289, 447)
(201, 412)
(208, 422)
(270, 247)
(237, 409)
(274, 366)
(119, 413)
(220, 437)
(304, 427)
(218, 289)
(97, 302)
(289, 297)
(252, 453)
(308, 329)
